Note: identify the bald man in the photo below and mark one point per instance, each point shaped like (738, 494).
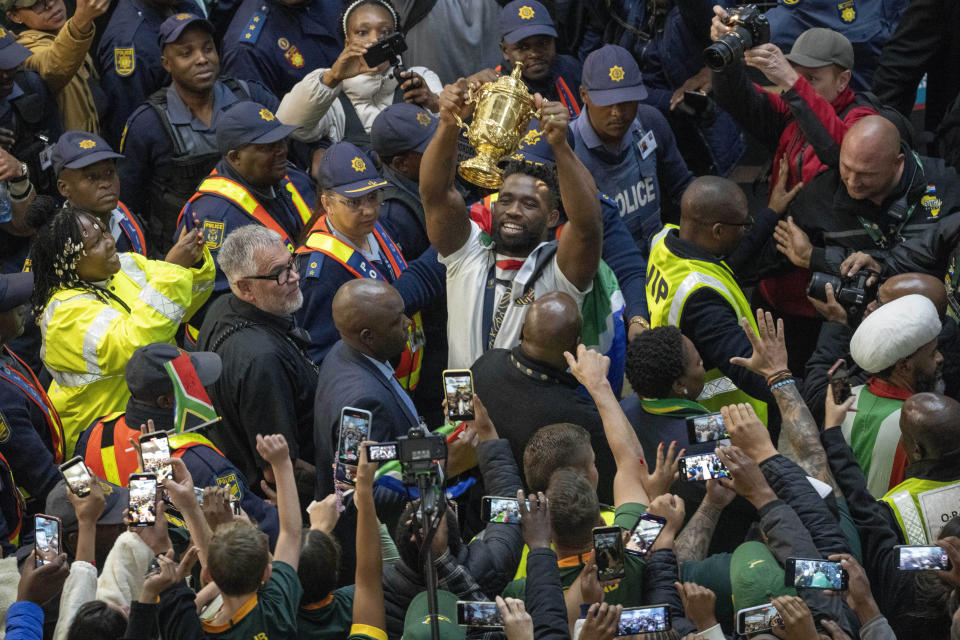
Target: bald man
(691, 284)
(528, 386)
(356, 372)
(880, 195)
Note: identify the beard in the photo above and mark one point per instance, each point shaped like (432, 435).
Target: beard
(932, 383)
(518, 245)
(287, 307)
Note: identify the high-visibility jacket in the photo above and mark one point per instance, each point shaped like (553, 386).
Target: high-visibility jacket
(323, 241)
(920, 513)
(110, 455)
(90, 333)
(670, 282)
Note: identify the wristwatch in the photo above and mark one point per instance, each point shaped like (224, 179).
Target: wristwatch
(23, 175)
(640, 320)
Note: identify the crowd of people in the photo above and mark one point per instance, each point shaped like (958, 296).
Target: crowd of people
(692, 370)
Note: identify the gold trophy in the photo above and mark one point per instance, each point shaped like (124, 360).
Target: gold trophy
(503, 112)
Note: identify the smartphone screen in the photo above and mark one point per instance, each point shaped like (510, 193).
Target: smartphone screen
(458, 391)
(816, 574)
(839, 379)
(46, 538)
(382, 452)
(922, 558)
(758, 619)
(485, 615)
(705, 466)
(503, 510)
(76, 475)
(608, 549)
(706, 428)
(636, 620)
(154, 449)
(143, 499)
(354, 429)
(644, 534)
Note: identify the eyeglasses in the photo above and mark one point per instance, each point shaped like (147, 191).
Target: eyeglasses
(42, 5)
(281, 277)
(746, 225)
(371, 199)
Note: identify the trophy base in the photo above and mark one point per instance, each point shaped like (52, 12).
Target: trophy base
(482, 171)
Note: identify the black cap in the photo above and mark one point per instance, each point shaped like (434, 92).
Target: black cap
(15, 289)
(173, 26)
(244, 123)
(79, 149)
(59, 505)
(147, 377)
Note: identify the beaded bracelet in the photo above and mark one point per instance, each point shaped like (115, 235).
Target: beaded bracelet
(779, 375)
(782, 383)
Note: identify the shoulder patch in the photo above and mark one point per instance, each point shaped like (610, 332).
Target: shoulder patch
(230, 480)
(251, 32)
(124, 60)
(213, 233)
(5, 431)
(314, 265)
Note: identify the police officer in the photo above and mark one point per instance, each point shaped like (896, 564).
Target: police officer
(170, 142)
(252, 183)
(129, 57)
(346, 243)
(277, 42)
(627, 146)
(86, 169)
(29, 119)
(528, 36)
(31, 436)
(690, 286)
(106, 445)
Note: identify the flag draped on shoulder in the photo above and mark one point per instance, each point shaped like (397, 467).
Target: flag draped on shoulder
(191, 397)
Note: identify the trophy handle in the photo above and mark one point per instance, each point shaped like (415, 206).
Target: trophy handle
(470, 98)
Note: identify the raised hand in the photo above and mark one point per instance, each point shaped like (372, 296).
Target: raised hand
(769, 346)
(273, 448)
(793, 242)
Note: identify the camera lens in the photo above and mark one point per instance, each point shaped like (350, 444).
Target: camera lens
(818, 283)
(718, 55)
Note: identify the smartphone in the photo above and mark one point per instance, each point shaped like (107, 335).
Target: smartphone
(922, 557)
(354, 429)
(383, 452)
(839, 378)
(154, 449)
(77, 476)
(815, 574)
(758, 619)
(504, 510)
(704, 466)
(706, 428)
(636, 620)
(46, 538)
(644, 534)
(458, 391)
(608, 550)
(484, 615)
(142, 507)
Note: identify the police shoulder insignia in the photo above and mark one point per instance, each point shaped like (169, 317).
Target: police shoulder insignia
(5, 431)
(213, 234)
(252, 31)
(124, 60)
(293, 56)
(230, 480)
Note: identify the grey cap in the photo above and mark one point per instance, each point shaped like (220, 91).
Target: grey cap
(819, 47)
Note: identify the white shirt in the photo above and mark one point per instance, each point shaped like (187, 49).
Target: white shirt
(314, 108)
(467, 271)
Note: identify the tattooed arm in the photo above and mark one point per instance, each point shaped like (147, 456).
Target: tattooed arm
(694, 541)
(799, 435)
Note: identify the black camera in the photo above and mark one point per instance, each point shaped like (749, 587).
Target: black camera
(853, 293)
(750, 29)
(386, 49)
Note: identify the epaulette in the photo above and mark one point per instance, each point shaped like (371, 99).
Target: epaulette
(252, 31)
(314, 265)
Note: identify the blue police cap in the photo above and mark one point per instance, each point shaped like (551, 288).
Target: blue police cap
(79, 149)
(15, 289)
(173, 26)
(12, 53)
(245, 122)
(347, 170)
(402, 127)
(611, 75)
(524, 18)
(534, 147)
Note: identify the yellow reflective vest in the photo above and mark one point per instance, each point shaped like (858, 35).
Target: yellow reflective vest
(88, 339)
(906, 501)
(670, 282)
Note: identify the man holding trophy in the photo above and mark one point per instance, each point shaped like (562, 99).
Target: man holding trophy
(492, 280)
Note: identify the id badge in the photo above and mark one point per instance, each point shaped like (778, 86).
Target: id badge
(647, 145)
(416, 339)
(46, 157)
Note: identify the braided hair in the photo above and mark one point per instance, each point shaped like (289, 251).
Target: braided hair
(359, 3)
(655, 360)
(55, 251)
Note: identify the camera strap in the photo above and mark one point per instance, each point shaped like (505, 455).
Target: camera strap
(898, 211)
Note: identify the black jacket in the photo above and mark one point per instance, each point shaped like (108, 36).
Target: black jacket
(471, 571)
(544, 596)
(267, 384)
(841, 233)
(895, 591)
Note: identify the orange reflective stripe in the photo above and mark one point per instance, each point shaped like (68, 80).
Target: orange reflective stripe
(53, 418)
(133, 223)
(238, 195)
(570, 102)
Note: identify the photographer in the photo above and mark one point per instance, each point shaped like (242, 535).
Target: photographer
(342, 102)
